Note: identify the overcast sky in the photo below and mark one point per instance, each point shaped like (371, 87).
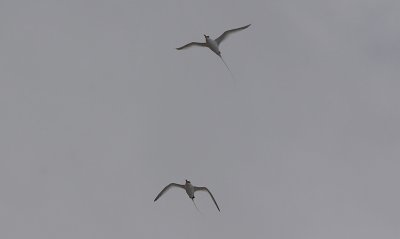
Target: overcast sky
(99, 112)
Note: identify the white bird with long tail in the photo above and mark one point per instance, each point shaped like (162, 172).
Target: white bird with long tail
(214, 44)
(190, 190)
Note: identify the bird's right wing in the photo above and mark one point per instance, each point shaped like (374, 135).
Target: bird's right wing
(206, 189)
(191, 44)
(226, 33)
(168, 187)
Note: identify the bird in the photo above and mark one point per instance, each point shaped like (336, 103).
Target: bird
(213, 44)
(190, 190)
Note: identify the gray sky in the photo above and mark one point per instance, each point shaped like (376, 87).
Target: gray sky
(99, 112)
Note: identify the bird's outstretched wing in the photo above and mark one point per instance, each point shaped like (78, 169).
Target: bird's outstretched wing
(191, 44)
(168, 187)
(205, 189)
(226, 33)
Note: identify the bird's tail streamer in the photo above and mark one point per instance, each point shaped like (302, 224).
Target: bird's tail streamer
(228, 68)
(195, 206)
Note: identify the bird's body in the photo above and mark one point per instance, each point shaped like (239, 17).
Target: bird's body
(189, 188)
(213, 45)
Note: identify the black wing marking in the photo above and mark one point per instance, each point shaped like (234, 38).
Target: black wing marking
(226, 33)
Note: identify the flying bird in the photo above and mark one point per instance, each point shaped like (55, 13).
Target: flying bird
(190, 189)
(214, 44)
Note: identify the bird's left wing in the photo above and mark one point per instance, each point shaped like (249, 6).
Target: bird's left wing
(168, 187)
(205, 189)
(191, 44)
(226, 33)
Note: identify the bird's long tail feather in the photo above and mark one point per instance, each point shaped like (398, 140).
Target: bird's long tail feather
(227, 67)
(195, 205)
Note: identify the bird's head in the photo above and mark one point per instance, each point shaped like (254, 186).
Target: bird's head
(187, 181)
(206, 36)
